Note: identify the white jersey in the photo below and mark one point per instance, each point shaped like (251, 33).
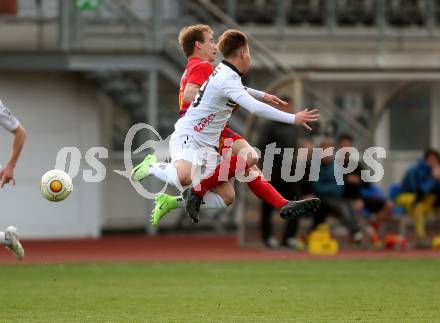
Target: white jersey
(213, 105)
(7, 119)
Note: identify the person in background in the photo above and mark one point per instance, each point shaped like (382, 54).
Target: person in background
(332, 197)
(363, 195)
(420, 191)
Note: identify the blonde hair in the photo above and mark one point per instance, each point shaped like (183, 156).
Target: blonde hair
(190, 34)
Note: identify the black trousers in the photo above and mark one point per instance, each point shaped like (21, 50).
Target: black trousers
(339, 207)
(289, 191)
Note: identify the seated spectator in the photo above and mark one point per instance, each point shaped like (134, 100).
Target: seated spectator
(420, 190)
(364, 195)
(332, 197)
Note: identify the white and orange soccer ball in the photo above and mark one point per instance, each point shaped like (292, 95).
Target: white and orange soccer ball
(56, 185)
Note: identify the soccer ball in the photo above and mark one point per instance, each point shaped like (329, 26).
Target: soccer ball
(56, 185)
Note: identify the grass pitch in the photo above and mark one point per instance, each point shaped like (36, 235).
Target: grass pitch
(302, 291)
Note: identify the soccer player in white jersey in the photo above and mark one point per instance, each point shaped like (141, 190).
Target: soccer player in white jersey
(197, 43)
(209, 113)
(9, 238)
(206, 118)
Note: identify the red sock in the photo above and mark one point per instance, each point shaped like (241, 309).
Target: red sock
(266, 192)
(223, 172)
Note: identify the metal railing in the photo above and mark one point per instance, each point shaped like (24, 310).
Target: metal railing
(333, 13)
(146, 24)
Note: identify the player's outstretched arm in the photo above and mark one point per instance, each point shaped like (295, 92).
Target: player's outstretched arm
(265, 97)
(266, 111)
(7, 173)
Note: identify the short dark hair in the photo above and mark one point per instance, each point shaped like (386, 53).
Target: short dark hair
(431, 152)
(190, 34)
(230, 41)
(345, 136)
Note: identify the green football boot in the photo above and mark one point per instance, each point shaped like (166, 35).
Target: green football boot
(163, 205)
(142, 170)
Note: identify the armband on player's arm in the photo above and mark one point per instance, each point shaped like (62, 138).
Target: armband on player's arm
(259, 95)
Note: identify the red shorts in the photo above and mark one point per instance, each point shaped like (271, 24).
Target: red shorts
(228, 133)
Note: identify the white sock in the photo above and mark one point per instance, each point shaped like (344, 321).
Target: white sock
(180, 202)
(2, 237)
(166, 172)
(211, 201)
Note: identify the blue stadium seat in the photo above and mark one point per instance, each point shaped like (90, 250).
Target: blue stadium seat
(393, 190)
(371, 192)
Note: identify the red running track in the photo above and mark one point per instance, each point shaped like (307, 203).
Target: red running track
(139, 248)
